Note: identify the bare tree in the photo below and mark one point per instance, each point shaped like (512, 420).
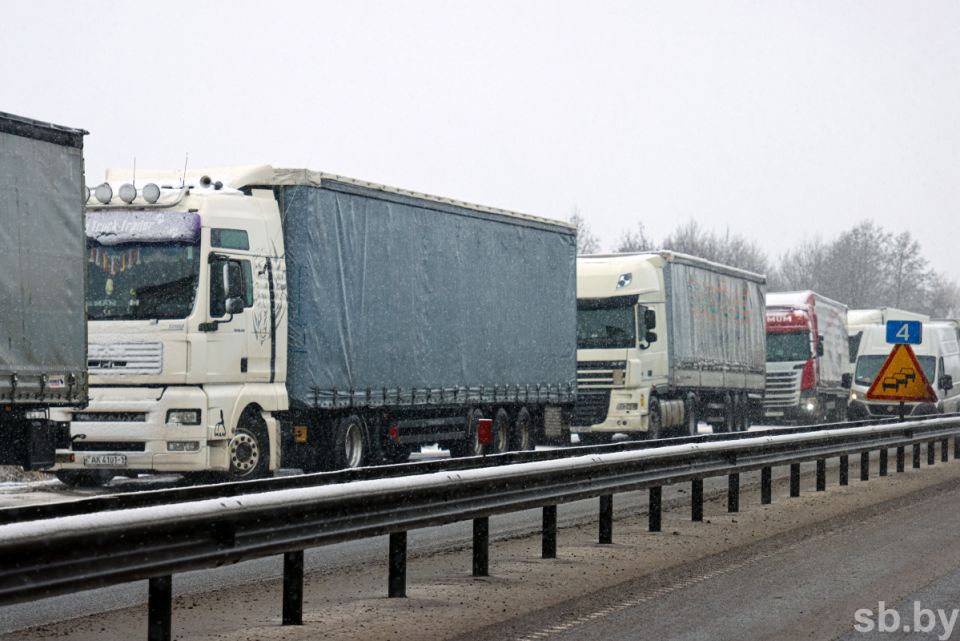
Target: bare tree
(587, 242)
(726, 248)
(635, 240)
(803, 267)
(908, 274)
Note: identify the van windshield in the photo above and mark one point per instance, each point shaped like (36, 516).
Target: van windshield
(869, 365)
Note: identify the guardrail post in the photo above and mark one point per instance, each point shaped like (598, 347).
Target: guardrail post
(481, 546)
(864, 466)
(293, 588)
(733, 492)
(656, 502)
(844, 470)
(944, 450)
(931, 452)
(794, 480)
(606, 519)
(160, 608)
(901, 458)
(883, 462)
(696, 500)
(766, 486)
(397, 564)
(549, 545)
(821, 475)
(916, 455)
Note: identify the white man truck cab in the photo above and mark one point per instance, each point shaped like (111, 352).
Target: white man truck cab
(185, 287)
(665, 341)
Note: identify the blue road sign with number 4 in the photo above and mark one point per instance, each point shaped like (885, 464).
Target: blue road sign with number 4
(907, 332)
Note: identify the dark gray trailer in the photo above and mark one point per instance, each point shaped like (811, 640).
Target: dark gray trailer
(412, 317)
(43, 329)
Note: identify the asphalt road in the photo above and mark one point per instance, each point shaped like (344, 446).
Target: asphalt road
(817, 582)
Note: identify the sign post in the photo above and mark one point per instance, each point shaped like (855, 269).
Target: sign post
(901, 377)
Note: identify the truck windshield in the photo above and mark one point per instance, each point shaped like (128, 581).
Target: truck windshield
(133, 281)
(788, 346)
(606, 327)
(869, 365)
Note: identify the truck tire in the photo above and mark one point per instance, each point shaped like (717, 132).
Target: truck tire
(84, 478)
(249, 448)
(501, 432)
(349, 443)
(470, 444)
(523, 431)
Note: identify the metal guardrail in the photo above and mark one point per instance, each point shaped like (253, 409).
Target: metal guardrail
(146, 498)
(71, 553)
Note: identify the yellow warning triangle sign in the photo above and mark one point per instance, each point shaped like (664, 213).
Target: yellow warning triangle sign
(901, 379)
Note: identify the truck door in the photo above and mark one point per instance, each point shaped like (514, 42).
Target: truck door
(227, 360)
(260, 321)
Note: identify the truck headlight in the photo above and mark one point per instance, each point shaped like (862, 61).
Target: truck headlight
(853, 396)
(183, 446)
(624, 407)
(183, 417)
(810, 406)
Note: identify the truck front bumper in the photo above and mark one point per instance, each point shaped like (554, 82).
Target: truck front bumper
(609, 412)
(127, 429)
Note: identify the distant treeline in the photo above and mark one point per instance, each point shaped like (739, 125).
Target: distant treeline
(865, 266)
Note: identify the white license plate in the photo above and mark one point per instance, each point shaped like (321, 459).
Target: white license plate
(111, 460)
(773, 413)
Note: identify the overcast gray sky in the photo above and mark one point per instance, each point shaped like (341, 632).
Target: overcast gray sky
(782, 120)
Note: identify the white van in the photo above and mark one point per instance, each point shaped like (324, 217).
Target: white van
(939, 356)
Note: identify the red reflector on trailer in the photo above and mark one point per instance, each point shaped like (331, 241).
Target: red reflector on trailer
(393, 433)
(485, 431)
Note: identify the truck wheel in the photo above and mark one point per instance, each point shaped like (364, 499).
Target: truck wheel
(250, 448)
(690, 409)
(654, 420)
(501, 432)
(84, 478)
(349, 446)
(469, 445)
(522, 431)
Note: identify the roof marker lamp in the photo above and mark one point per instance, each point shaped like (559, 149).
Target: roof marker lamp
(104, 193)
(128, 193)
(151, 193)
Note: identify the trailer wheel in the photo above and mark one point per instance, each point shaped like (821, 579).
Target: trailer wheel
(349, 444)
(84, 478)
(249, 448)
(690, 408)
(469, 445)
(501, 432)
(523, 431)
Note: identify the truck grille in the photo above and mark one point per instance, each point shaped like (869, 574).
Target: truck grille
(125, 358)
(601, 374)
(783, 389)
(590, 408)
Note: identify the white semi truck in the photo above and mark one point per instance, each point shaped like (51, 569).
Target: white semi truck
(245, 318)
(665, 341)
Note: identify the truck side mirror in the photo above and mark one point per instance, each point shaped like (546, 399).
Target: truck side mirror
(846, 381)
(946, 382)
(820, 345)
(650, 337)
(650, 321)
(233, 305)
